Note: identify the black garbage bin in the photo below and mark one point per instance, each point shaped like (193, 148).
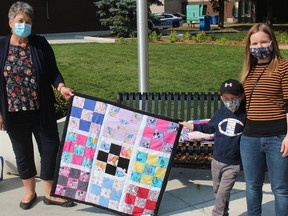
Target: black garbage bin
(205, 23)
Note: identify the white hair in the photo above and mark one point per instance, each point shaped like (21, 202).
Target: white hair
(20, 7)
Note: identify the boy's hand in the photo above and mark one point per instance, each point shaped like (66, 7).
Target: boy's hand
(187, 125)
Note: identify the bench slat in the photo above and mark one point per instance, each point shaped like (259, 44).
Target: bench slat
(183, 106)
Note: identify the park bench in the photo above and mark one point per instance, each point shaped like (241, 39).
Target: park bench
(192, 23)
(182, 106)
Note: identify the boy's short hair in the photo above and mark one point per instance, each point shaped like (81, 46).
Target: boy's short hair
(231, 86)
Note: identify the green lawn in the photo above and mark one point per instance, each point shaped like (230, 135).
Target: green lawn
(103, 70)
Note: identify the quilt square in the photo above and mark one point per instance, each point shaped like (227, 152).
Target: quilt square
(106, 192)
(146, 179)
(87, 115)
(140, 202)
(123, 163)
(70, 192)
(89, 104)
(82, 185)
(143, 192)
(152, 159)
(78, 102)
(62, 180)
(81, 139)
(149, 170)
(97, 118)
(151, 122)
(115, 149)
(151, 205)
(141, 157)
(100, 107)
(79, 150)
(76, 112)
(102, 156)
(89, 153)
(80, 195)
(138, 167)
(162, 125)
(87, 162)
(95, 189)
(74, 123)
(84, 125)
(76, 159)
(126, 152)
(160, 172)
(137, 211)
(110, 169)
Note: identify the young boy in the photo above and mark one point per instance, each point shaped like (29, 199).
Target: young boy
(227, 125)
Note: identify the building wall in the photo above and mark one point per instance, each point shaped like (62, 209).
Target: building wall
(279, 10)
(235, 10)
(158, 9)
(54, 16)
(172, 6)
(228, 14)
(180, 6)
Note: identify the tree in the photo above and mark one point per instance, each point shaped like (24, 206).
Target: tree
(269, 9)
(120, 15)
(218, 6)
(269, 12)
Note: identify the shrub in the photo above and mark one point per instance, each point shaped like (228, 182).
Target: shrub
(200, 37)
(283, 38)
(133, 39)
(172, 38)
(221, 40)
(122, 40)
(186, 36)
(153, 36)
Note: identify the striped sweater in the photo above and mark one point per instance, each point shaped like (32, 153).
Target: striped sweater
(267, 107)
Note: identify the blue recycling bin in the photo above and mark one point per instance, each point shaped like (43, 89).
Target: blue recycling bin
(205, 23)
(214, 19)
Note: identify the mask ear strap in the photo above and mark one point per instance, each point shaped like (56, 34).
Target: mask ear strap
(250, 97)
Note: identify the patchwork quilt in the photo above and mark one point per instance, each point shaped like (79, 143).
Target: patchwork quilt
(196, 136)
(114, 157)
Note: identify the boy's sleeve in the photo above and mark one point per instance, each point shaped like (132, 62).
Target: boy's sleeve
(208, 128)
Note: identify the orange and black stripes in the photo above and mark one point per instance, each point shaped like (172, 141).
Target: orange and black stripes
(270, 96)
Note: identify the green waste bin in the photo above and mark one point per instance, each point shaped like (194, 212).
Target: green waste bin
(205, 23)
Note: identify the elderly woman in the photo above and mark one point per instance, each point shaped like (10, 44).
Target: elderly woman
(28, 71)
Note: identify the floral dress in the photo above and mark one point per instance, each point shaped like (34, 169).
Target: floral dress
(21, 82)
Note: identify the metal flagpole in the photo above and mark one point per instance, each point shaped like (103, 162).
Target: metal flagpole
(142, 35)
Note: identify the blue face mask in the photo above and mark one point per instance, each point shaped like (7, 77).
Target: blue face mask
(232, 105)
(261, 52)
(22, 30)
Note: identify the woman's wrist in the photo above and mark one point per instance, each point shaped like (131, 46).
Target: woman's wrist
(60, 87)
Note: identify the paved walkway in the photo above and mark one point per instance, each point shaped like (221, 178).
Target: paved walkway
(89, 37)
(188, 193)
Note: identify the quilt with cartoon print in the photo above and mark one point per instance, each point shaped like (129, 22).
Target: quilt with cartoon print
(114, 157)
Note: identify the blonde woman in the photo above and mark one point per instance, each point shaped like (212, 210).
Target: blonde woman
(264, 142)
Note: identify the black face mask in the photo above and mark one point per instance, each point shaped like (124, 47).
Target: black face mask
(261, 52)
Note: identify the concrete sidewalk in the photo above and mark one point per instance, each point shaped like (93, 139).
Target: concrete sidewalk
(89, 37)
(188, 193)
